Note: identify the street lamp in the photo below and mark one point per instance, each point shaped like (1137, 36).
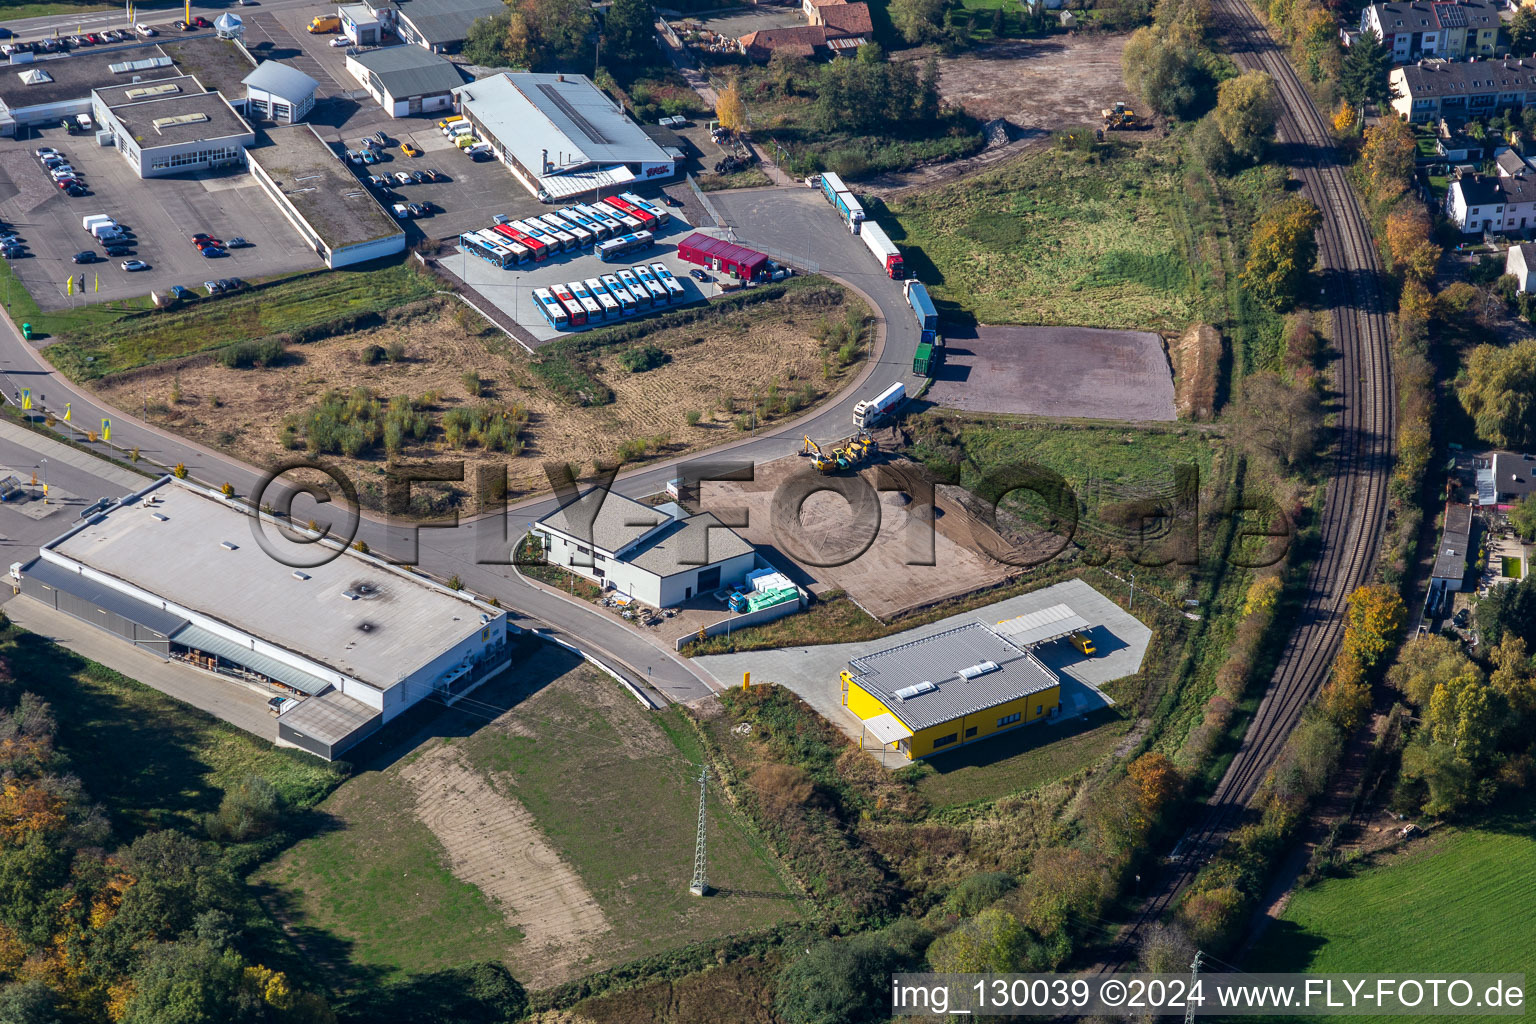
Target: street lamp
(44, 465)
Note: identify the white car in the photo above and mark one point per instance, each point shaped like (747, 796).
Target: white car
(401, 211)
(132, 265)
(144, 30)
(341, 41)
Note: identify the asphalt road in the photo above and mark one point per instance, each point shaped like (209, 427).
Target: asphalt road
(791, 219)
(158, 16)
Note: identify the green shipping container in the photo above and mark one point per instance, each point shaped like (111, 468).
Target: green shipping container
(923, 361)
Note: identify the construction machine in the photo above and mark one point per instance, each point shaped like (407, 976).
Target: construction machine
(819, 459)
(1120, 116)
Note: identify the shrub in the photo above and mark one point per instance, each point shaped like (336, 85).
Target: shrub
(249, 810)
(395, 351)
(693, 416)
(228, 490)
(371, 354)
(472, 383)
(180, 471)
(245, 354)
(638, 360)
(979, 892)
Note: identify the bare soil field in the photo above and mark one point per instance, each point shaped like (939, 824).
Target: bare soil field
(714, 367)
(888, 576)
(1078, 372)
(1040, 86)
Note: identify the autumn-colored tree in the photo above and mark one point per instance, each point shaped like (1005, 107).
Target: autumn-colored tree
(1262, 594)
(1345, 702)
(991, 941)
(1522, 516)
(1281, 252)
(729, 108)
(1498, 390)
(1246, 109)
(1426, 661)
(1064, 883)
(1376, 613)
(25, 808)
(1316, 46)
(1514, 676)
(1407, 229)
(1387, 159)
(1157, 781)
(1346, 116)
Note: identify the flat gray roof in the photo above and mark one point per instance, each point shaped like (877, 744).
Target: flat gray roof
(327, 195)
(75, 75)
(282, 80)
(150, 121)
(447, 21)
(566, 115)
(201, 552)
(620, 521)
(938, 660)
(681, 546)
(329, 718)
(410, 70)
(1451, 557)
(119, 93)
(217, 63)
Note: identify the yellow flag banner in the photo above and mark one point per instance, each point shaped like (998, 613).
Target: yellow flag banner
(66, 412)
(106, 429)
(26, 398)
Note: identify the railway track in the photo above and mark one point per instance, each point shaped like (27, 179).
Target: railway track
(1355, 512)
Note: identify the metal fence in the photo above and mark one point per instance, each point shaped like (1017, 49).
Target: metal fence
(709, 207)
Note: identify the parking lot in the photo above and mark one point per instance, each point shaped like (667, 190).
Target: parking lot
(160, 214)
(512, 290)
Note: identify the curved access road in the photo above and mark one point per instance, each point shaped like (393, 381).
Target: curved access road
(1355, 515)
(792, 219)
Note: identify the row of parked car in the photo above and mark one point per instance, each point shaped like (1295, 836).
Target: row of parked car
(12, 245)
(62, 173)
(212, 248)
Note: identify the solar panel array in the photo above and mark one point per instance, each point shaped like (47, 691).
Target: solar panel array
(1451, 16)
(586, 127)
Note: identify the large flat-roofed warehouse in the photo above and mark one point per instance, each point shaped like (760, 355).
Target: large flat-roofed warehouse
(560, 134)
(946, 690)
(178, 571)
(171, 126)
(43, 92)
(338, 217)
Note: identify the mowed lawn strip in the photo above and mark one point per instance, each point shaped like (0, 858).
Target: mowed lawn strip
(615, 788)
(153, 761)
(1056, 239)
(1459, 900)
(287, 306)
(377, 879)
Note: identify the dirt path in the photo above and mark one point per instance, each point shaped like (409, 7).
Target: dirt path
(493, 843)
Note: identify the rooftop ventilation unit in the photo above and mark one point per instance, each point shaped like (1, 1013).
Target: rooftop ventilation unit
(908, 692)
(980, 669)
(229, 545)
(300, 575)
(162, 123)
(161, 516)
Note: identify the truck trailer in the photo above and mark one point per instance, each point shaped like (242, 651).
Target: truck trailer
(928, 357)
(884, 249)
(923, 309)
(843, 200)
(871, 411)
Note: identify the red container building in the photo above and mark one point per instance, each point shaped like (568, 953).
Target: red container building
(726, 257)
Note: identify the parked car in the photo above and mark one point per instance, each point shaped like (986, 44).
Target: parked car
(417, 210)
(238, 243)
(46, 151)
(184, 26)
(401, 211)
(479, 156)
(147, 32)
(7, 48)
(433, 174)
(116, 35)
(340, 41)
(378, 181)
(370, 155)
(84, 256)
(699, 276)
(89, 39)
(212, 287)
(61, 172)
(202, 236)
(118, 250)
(74, 40)
(73, 189)
(208, 243)
(202, 22)
(179, 292)
(236, 283)
(212, 252)
(51, 161)
(380, 139)
(409, 150)
(132, 265)
(403, 177)
(224, 284)
(48, 45)
(11, 252)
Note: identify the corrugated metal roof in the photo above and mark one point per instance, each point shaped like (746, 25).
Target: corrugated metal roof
(212, 643)
(329, 718)
(1038, 627)
(564, 116)
(887, 728)
(406, 71)
(281, 80)
(938, 660)
(149, 616)
(720, 249)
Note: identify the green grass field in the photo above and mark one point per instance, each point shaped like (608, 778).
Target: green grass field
(151, 760)
(296, 304)
(611, 785)
(1021, 761)
(1459, 900)
(23, 309)
(1053, 239)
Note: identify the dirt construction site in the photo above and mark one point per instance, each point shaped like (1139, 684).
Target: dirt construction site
(841, 532)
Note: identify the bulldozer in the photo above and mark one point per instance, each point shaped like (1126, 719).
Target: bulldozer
(819, 459)
(1120, 116)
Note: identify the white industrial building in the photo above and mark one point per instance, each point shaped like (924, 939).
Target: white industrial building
(280, 93)
(560, 135)
(406, 80)
(171, 126)
(436, 25)
(178, 570)
(315, 192)
(659, 556)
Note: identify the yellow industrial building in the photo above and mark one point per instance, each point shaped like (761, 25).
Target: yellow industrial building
(946, 690)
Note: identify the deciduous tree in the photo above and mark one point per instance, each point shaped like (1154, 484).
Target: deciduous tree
(1522, 516)
(1387, 159)
(918, 21)
(1278, 419)
(1246, 108)
(1498, 391)
(1281, 252)
(729, 108)
(1167, 68)
(629, 35)
(1376, 613)
(1522, 32)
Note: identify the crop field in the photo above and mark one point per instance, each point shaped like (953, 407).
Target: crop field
(287, 307)
(1459, 900)
(561, 833)
(1056, 239)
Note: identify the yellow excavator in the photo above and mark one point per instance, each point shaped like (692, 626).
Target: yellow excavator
(819, 459)
(1120, 116)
